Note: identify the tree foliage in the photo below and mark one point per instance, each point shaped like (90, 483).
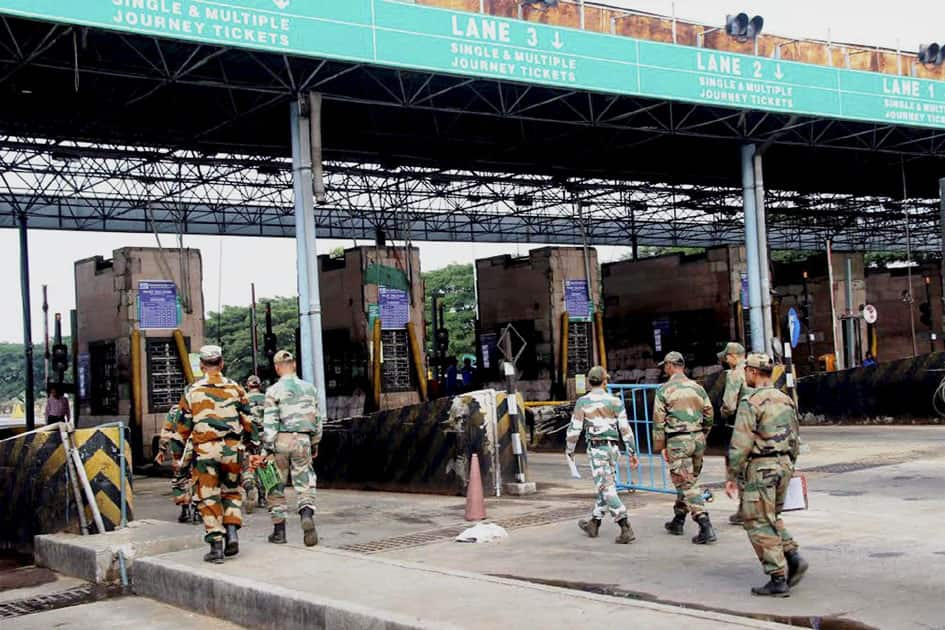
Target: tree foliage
(456, 285)
(12, 378)
(231, 328)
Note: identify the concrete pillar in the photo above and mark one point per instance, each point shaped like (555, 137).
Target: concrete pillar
(312, 360)
(755, 315)
(761, 226)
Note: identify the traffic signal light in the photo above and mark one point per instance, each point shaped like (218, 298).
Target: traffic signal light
(804, 313)
(925, 314)
(932, 54)
(270, 345)
(442, 341)
(740, 26)
(60, 358)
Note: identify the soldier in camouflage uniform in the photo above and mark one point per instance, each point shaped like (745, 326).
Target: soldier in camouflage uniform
(761, 462)
(733, 357)
(603, 419)
(292, 429)
(257, 401)
(215, 416)
(682, 417)
(170, 446)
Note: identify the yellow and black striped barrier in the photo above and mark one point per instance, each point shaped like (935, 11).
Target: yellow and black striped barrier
(507, 461)
(35, 492)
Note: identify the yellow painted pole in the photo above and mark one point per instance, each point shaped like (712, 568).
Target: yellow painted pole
(565, 320)
(376, 380)
(184, 356)
(601, 348)
(136, 393)
(417, 361)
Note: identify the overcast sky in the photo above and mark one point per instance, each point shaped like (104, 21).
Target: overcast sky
(270, 263)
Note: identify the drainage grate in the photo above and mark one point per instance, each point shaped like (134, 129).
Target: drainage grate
(847, 467)
(452, 531)
(63, 599)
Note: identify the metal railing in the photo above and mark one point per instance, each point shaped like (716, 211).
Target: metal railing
(652, 475)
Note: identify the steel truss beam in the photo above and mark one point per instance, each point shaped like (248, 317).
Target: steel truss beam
(97, 187)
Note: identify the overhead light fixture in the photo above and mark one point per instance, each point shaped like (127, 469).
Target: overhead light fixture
(540, 5)
(742, 27)
(932, 54)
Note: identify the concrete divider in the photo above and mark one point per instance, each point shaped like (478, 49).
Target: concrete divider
(35, 497)
(421, 448)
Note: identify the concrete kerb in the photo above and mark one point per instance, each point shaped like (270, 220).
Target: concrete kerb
(255, 603)
(95, 558)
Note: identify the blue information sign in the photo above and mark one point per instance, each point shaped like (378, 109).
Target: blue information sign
(394, 306)
(794, 326)
(575, 300)
(157, 305)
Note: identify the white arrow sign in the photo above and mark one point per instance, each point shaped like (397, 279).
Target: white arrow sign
(777, 72)
(282, 4)
(558, 44)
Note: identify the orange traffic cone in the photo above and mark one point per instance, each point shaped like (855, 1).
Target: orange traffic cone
(475, 503)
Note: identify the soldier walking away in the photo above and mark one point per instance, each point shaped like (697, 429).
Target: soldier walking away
(761, 463)
(215, 417)
(292, 429)
(257, 401)
(682, 417)
(170, 446)
(603, 419)
(733, 357)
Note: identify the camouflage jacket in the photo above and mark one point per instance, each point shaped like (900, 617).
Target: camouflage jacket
(603, 417)
(682, 406)
(170, 441)
(735, 389)
(291, 407)
(766, 424)
(257, 403)
(213, 408)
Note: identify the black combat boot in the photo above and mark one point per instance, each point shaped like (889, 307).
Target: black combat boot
(232, 541)
(706, 535)
(216, 552)
(309, 534)
(184, 516)
(776, 587)
(626, 532)
(675, 526)
(796, 567)
(591, 527)
(736, 518)
(277, 536)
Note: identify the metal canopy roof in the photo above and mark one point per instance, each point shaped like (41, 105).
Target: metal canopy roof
(194, 138)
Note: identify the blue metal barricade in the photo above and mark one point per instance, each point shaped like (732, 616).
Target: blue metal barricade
(652, 475)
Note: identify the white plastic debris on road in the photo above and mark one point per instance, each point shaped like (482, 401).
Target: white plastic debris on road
(483, 533)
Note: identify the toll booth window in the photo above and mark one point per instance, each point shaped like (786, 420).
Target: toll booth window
(166, 380)
(103, 379)
(579, 347)
(345, 364)
(396, 372)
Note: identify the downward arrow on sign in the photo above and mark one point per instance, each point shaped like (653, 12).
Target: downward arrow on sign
(777, 72)
(557, 43)
(282, 4)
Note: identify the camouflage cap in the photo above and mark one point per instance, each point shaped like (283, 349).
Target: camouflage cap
(759, 361)
(732, 347)
(673, 357)
(253, 381)
(597, 374)
(283, 356)
(211, 353)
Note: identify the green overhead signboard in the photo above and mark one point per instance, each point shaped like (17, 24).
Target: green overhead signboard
(406, 35)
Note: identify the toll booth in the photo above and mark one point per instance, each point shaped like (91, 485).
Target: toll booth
(690, 303)
(363, 286)
(805, 286)
(139, 315)
(550, 301)
(890, 338)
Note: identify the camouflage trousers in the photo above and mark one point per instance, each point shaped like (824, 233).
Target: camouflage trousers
(182, 483)
(685, 465)
(604, 468)
(216, 475)
(762, 499)
(293, 459)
